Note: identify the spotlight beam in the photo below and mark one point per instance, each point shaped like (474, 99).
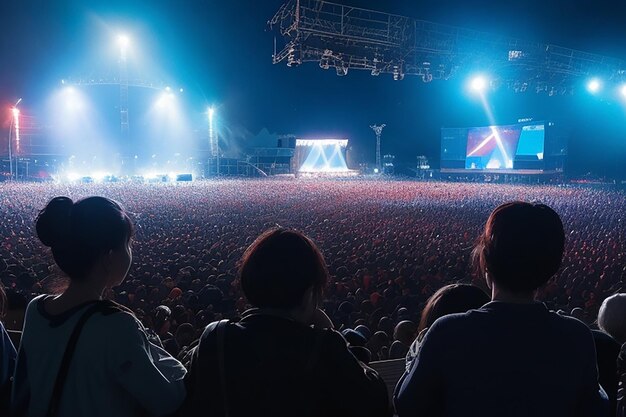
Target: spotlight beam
(501, 147)
(481, 145)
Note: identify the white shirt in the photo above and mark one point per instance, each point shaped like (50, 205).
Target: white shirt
(115, 370)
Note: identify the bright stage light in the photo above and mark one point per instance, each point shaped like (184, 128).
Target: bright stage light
(594, 85)
(322, 155)
(478, 84)
(165, 99)
(210, 112)
(16, 112)
(123, 41)
(72, 176)
(622, 90)
(99, 176)
(72, 98)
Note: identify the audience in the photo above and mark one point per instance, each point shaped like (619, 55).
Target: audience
(388, 250)
(512, 356)
(79, 355)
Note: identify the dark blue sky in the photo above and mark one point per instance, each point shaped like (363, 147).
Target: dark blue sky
(220, 52)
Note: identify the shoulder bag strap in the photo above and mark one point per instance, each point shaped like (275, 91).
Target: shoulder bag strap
(57, 391)
(221, 328)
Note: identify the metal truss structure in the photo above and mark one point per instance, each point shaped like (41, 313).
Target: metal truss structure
(345, 37)
(130, 82)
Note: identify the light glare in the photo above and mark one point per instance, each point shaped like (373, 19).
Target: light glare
(478, 84)
(594, 85)
(123, 41)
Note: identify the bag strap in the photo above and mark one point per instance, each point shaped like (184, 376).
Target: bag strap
(57, 391)
(221, 328)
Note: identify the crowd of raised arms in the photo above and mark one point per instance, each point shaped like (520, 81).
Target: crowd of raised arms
(254, 298)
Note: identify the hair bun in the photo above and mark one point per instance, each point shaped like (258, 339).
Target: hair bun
(53, 222)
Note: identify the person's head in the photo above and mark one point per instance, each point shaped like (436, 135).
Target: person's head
(612, 317)
(521, 247)
(185, 334)
(405, 332)
(89, 237)
(161, 319)
(450, 299)
(283, 269)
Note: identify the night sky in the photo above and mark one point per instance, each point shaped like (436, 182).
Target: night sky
(220, 52)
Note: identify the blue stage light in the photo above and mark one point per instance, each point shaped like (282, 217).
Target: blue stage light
(478, 84)
(594, 85)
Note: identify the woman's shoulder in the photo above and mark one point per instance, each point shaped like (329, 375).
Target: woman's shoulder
(118, 316)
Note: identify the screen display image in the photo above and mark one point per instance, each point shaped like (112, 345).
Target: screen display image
(531, 143)
(492, 147)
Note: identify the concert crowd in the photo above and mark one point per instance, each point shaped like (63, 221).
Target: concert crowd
(388, 246)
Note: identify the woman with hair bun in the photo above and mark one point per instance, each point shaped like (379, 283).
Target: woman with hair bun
(81, 355)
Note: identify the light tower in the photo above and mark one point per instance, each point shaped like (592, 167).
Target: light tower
(123, 43)
(14, 126)
(214, 148)
(379, 131)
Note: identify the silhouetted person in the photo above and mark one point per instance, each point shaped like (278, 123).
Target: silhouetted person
(612, 323)
(512, 357)
(449, 299)
(80, 355)
(282, 358)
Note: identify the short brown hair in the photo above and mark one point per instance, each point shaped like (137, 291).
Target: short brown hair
(522, 245)
(278, 268)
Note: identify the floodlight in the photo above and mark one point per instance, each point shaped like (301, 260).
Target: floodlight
(123, 41)
(623, 90)
(594, 85)
(73, 176)
(478, 84)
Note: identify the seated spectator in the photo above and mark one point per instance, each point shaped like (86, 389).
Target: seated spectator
(450, 299)
(512, 356)
(80, 355)
(282, 358)
(403, 336)
(612, 322)
(612, 317)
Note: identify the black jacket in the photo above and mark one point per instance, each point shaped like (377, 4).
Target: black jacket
(274, 366)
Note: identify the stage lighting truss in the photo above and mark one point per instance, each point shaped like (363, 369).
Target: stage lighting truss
(345, 37)
(323, 142)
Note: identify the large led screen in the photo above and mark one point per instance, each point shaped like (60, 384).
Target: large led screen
(492, 147)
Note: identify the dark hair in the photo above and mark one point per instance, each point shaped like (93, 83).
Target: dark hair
(278, 268)
(450, 299)
(522, 246)
(79, 233)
